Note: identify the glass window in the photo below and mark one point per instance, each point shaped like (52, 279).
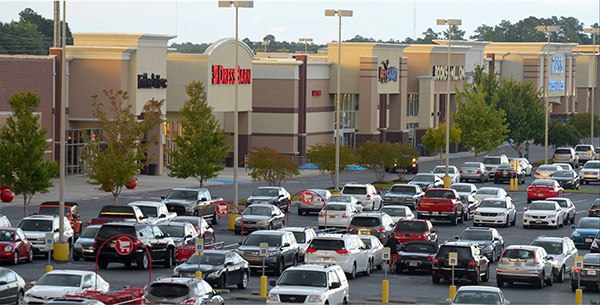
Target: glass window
(392, 211)
(168, 290)
(208, 258)
(411, 226)
(303, 278)
(182, 195)
(365, 221)
(333, 277)
(35, 225)
(257, 210)
(477, 297)
(300, 237)
(56, 279)
(493, 203)
(403, 189)
(476, 235)
(4, 275)
(256, 239)
(266, 192)
(354, 190)
(327, 244)
(412, 105)
(10, 276)
(420, 248)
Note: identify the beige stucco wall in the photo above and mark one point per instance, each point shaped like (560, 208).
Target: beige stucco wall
(275, 93)
(182, 69)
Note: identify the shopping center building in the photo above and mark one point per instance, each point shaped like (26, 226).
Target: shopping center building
(389, 92)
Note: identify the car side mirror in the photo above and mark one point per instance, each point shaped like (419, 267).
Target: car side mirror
(141, 234)
(455, 237)
(203, 199)
(85, 286)
(524, 208)
(550, 258)
(3, 283)
(281, 196)
(572, 227)
(449, 300)
(188, 236)
(335, 285)
(239, 242)
(286, 245)
(56, 230)
(227, 264)
(273, 283)
(433, 230)
(162, 197)
(163, 216)
(19, 240)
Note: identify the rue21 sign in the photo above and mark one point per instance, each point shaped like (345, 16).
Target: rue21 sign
(224, 76)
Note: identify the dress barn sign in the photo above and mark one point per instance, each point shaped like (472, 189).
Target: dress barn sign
(456, 72)
(226, 76)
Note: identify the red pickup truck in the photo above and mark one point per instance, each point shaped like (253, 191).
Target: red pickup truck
(441, 204)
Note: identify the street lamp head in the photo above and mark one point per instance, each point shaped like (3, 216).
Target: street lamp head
(236, 4)
(591, 30)
(330, 13)
(448, 21)
(342, 13)
(305, 39)
(546, 28)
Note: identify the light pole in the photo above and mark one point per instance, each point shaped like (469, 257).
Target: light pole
(264, 44)
(340, 13)
(450, 23)
(547, 29)
(594, 32)
(237, 5)
(306, 41)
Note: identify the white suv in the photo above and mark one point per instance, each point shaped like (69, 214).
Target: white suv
(314, 284)
(35, 228)
(585, 152)
(345, 250)
(366, 194)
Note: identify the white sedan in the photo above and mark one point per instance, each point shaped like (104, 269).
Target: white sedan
(495, 211)
(398, 212)
(376, 249)
(337, 215)
(58, 283)
(490, 192)
(440, 171)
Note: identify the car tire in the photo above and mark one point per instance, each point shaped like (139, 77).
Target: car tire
(222, 283)
(143, 262)
(300, 212)
(20, 297)
(540, 282)
(525, 227)
(528, 200)
(453, 220)
(380, 266)
(237, 232)
(573, 286)
(514, 221)
(560, 277)
(352, 274)
(550, 281)
(215, 219)
(102, 263)
(398, 268)
(507, 223)
(573, 219)
(244, 283)
(270, 227)
(435, 279)
(369, 267)
(499, 283)
(566, 221)
(281, 267)
(476, 279)
(30, 257)
(15, 260)
(76, 258)
(486, 277)
(168, 263)
(494, 255)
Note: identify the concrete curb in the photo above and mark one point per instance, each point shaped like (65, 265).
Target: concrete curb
(400, 301)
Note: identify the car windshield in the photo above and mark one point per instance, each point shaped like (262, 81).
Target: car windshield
(439, 194)
(335, 207)
(493, 204)
(258, 211)
(504, 167)
(487, 191)
(582, 148)
(90, 232)
(354, 190)
(562, 203)
(7, 235)
(300, 237)
(566, 174)
(423, 178)
(35, 225)
(321, 193)
(266, 193)
(50, 210)
(208, 258)
(362, 221)
(411, 226)
(596, 203)
(338, 198)
(173, 231)
(591, 165)
(442, 170)
(110, 231)
(303, 278)
(471, 165)
(591, 259)
(477, 297)
(419, 248)
(461, 188)
(562, 151)
(551, 247)
(542, 205)
(464, 253)
(589, 223)
(256, 239)
(476, 235)
(394, 211)
(547, 168)
(148, 211)
(168, 290)
(403, 189)
(57, 279)
(327, 244)
(182, 195)
(543, 183)
(491, 160)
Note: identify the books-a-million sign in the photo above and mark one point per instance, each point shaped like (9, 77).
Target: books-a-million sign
(223, 76)
(456, 72)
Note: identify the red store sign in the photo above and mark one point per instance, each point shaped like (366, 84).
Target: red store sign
(224, 76)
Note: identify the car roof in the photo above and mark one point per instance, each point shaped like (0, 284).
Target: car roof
(479, 288)
(267, 232)
(489, 188)
(495, 198)
(294, 229)
(41, 217)
(412, 220)
(458, 243)
(188, 217)
(215, 251)
(52, 203)
(549, 238)
(592, 254)
(370, 214)
(92, 226)
(122, 223)
(523, 247)
(173, 224)
(313, 267)
(394, 206)
(177, 280)
(269, 187)
(145, 203)
(405, 184)
(462, 183)
(479, 229)
(70, 271)
(332, 236)
(356, 184)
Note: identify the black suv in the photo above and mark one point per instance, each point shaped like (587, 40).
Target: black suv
(282, 252)
(160, 246)
(471, 265)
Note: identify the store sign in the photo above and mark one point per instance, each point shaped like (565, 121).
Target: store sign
(558, 66)
(456, 72)
(557, 85)
(154, 81)
(223, 76)
(387, 73)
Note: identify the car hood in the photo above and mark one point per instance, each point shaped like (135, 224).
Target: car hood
(586, 231)
(255, 217)
(35, 234)
(179, 201)
(299, 290)
(85, 241)
(262, 198)
(193, 268)
(46, 292)
(256, 248)
(491, 210)
(539, 212)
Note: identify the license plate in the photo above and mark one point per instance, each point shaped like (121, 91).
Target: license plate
(414, 263)
(538, 221)
(588, 240)
(591, 272)
(331, 216)
(435, 213)
(505, 174)
(540, 195)
(325, 259)
(364, 232)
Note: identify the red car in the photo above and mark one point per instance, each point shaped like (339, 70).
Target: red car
(415, 229)
(14, 246)
(542, 189)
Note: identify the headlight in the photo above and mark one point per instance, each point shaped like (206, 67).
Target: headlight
(314, 299)
(576, 234)
(594, 244)
(176, 272)
(270, 254)
(477, 213)
(8, 248)
(238, 220)
(502, 214)
(272, 297)
(387, 198)
(214, 275)
(410, 199)
(78, 246)
(264, 222)
(553, 216)
(488, 248)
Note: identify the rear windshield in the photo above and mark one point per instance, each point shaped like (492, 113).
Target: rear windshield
(491, 160)
(335, 207)
(355, 190)
(551, 247)
(394, 211)
(569, 174)
(477, 297)
(439, 194)
(487, 191)
(365, 221)
(338, 198)
(591, 165)
(168, 290)
(548, 168)
(256, 239)
(35, 225)
(476, 235)
(327, 244)
(518, 254)
(562, 151)
(7, 235)
(110, 231)
(419, 248)
(182, 195)
(591, 259)
(423, 178)
(504, 166)
(543, 182)
(582, 148)
(403, 189)
(493, 203)
(461, 188)
(589, 223)
(442, 170)
(258, 211)
(411, 226)
(90, 232)
(117, 212)
(471, 164)
(464, 253)
(49, 210)
(562, 203)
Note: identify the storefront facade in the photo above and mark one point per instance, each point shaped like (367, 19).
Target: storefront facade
(587, 78)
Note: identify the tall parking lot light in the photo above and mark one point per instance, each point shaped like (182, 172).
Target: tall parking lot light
(594, 32)
(547, 29)
(306, 41)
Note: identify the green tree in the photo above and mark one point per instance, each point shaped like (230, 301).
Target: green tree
(561, 134)
(376, 156)
(581, 122)
(203, 146)
(120, 152)
(22, 149)
(488, 82)
(457, 34)
(323, 156)
(434, 139)
(483, 126)
(267, 165)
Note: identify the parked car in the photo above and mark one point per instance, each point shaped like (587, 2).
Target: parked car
(83, 248)
(544, 213)
(344, 199)
(320, 196)
(442, 204)
(4, 222)
(181, 233)
(473, 171)
(594, 209)
(524, 264)
(495, 211)
(563, 166)
(71, 213)
(404, 194)
(563, 252)
(377, 224)
(585, 152)
(13, 291)
(260, 216)
(595, 246)
(566, 155)
(205, 231)
(567, 206)
(466, 192)
(490, 192)
(426, 181)
(14, 246)
(545, 171)
(192, 201)
(542, 189)
(154, 212)
(112, 213)
(464, 189)
(588, 275)
(491, 162)
(303, 237)
(345, 250)
(398, 212)
(376, 248)
(505, 172)
(440, 172)
(471, 265)
(274, 195)
(590, 172)
(366, 194)
(524, 164)
(489, 240)
(282, 252)
(337, 215)
(35, 228)
(176, 290)
(585, 230)
(151, 237)
(416, 229)
(567, 179)
(310, 284)
(416, 255)
(478, 295)
(220, 268)
(58, 283)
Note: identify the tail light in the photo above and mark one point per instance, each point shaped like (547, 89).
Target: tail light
(343, 252)
(423, 237)
(320, 214)
(344, 215)
(460, 171)
(571, 156)
(554, 157)
(472, 263)
(535, 261)
(349, 229)
(513, 173)
(436, 262)
(478, 172)
(399, 257)
(136, 246)
(95, 242)
(188, 302)
(536, 173)
(310, 250)
(429, 258)
(368, 196)
(381, 230)
(498, 172)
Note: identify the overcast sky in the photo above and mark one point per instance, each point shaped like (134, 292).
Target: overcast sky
(202, 21)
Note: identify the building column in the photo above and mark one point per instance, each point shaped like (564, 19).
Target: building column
(397, 106)
(427, 105)
(367, 101)
(383, 100)
(302, 73)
